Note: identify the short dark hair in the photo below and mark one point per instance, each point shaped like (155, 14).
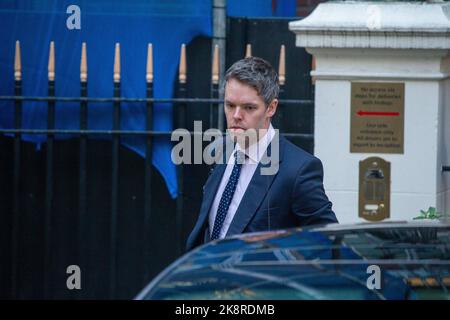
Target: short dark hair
(258, 74)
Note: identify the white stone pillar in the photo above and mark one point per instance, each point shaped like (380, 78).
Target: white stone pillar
(382, 42)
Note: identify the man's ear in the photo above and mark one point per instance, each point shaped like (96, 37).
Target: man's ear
(272, 108)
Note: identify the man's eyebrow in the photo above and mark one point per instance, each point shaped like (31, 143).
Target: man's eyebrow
(248, 104)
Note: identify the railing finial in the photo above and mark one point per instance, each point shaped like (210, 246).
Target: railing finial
(215, 66)
(83, 64)
(282, 66)
(182, 69)
(117, 63)
(51, 62)
(149, 73)
(248, 50)
(17, 63)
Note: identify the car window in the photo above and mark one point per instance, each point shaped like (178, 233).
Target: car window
(314, 264)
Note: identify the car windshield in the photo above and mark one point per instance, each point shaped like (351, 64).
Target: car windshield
(316, 263)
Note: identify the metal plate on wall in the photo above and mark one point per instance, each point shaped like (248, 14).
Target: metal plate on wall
(377, 117)
(374, 189)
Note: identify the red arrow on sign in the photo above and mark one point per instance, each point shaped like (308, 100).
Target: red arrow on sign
(374, 113)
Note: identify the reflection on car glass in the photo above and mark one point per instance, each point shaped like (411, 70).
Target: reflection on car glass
(310, 264)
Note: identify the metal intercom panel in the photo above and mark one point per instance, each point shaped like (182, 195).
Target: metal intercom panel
(374, 189)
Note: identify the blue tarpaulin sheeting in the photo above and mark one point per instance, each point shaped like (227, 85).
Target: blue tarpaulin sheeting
(165, 24)
(261, 8)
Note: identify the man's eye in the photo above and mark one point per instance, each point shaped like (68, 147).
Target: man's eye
(249, 107)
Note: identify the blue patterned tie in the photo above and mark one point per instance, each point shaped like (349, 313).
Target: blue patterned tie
(227, 195)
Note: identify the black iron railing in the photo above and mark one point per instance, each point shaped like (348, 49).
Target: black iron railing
(181, 105)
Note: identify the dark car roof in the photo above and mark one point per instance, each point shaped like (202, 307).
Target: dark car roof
(321, 262)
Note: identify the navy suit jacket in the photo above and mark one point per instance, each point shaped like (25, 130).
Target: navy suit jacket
(292, 197)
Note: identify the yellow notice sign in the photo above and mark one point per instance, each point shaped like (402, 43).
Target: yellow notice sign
(377, 117)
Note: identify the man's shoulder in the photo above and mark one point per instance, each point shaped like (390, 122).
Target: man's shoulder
(294, 153)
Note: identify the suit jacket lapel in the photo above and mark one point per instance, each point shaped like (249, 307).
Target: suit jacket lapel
(256, 191)
(213, 182)
(210, 191)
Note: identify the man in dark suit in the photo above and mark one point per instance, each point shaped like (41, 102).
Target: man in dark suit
(244, 194)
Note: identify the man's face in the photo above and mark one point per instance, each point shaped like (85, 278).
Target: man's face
(245, 110)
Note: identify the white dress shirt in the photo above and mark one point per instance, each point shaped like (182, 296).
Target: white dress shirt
(254, 153)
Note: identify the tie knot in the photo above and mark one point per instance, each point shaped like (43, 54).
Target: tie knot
(239, 156)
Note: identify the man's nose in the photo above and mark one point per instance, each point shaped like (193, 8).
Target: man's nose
(237, 113)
